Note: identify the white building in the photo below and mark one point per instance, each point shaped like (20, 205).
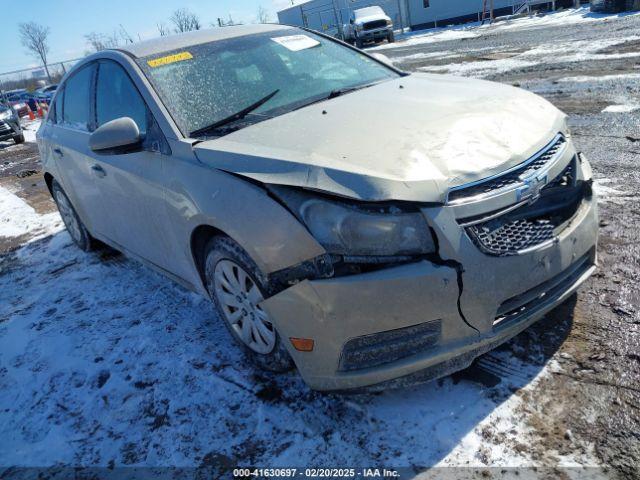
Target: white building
(329, 15)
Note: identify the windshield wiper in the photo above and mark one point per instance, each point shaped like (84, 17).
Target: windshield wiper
(236, 116)
(337, 93)
(341, 91)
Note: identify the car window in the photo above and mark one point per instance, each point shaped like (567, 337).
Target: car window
(55, 113)
(77, 94)
(117, 96)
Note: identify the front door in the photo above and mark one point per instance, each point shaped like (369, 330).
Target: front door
(131, 184)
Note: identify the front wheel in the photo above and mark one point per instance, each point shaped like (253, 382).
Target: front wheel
(391, 38)
(237, 287)
(359, 43)
(19, 138)
(78, 232)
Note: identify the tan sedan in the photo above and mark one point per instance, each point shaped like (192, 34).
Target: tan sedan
(368, 226)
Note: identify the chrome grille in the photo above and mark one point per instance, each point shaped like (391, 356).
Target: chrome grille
(375, 24)
(534, 224)
(4, 127)
(510, 178)
(515, 236)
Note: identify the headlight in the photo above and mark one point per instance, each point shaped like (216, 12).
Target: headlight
(389, 23)
(6, 115)
(359, 230)
(359, 27)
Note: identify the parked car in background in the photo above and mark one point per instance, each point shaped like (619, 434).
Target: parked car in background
(10, 124)
(45, 94)
(21, 101)
(368, 25)
(395, 249)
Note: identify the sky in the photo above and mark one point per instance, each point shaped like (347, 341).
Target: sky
(70, 21)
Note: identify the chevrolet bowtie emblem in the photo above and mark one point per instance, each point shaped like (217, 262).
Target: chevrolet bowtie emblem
(531, 188)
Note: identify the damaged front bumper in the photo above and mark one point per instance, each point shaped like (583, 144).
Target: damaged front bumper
(420, 321)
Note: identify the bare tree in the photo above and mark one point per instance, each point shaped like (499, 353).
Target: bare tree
(34, 38)
(263, 15)
(185, 21)
(163, 30)
(125, 35)
(99, 41)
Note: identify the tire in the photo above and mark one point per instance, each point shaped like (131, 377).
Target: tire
(19, 138)
(77, 231)
(359, 43)
(231, 293)
(391, 38)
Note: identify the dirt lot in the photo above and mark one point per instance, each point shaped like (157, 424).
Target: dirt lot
(583, 409)
(594, 397)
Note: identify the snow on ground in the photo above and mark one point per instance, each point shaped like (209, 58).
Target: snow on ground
(30, 127)
(18, 218)
(103, 361)
(602, 78)
(608, 193)
(559, 52)
(473, 30)
(621, 108)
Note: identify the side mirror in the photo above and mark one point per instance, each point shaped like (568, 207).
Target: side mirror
(382, 58)
(117, 136)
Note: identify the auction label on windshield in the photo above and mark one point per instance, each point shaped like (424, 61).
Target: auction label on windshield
(296, 43)
(177, 57)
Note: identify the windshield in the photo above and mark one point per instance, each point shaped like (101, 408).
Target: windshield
(208, 83)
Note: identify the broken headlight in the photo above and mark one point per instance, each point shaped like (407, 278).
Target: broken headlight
(359, 229)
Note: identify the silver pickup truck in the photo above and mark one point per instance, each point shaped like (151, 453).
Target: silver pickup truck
(367, 25)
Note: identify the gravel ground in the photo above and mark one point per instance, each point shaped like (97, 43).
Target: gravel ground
(593, 398)
(565, 392)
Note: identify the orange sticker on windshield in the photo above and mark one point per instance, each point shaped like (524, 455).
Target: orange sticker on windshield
(177, 57)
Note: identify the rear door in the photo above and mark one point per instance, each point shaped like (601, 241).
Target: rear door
(68, 144)
(131, 183)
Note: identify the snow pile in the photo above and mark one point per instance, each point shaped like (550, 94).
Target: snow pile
(18, 218)
(104, 362)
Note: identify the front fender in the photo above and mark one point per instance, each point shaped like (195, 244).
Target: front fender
(199, 195)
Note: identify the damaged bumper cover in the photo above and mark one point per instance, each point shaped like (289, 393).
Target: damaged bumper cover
(422, 320)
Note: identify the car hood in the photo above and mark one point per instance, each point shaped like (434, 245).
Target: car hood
(371, 18)
(408, 139)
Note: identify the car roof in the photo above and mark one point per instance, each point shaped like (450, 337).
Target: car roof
(189, 39)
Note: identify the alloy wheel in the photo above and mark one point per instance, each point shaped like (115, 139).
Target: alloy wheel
(239, 296)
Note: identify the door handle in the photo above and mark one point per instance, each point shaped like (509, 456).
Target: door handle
(98, 171)
(58, 152)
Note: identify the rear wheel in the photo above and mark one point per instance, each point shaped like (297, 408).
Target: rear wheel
(78, 232)
(237, 287)
(19, 138)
